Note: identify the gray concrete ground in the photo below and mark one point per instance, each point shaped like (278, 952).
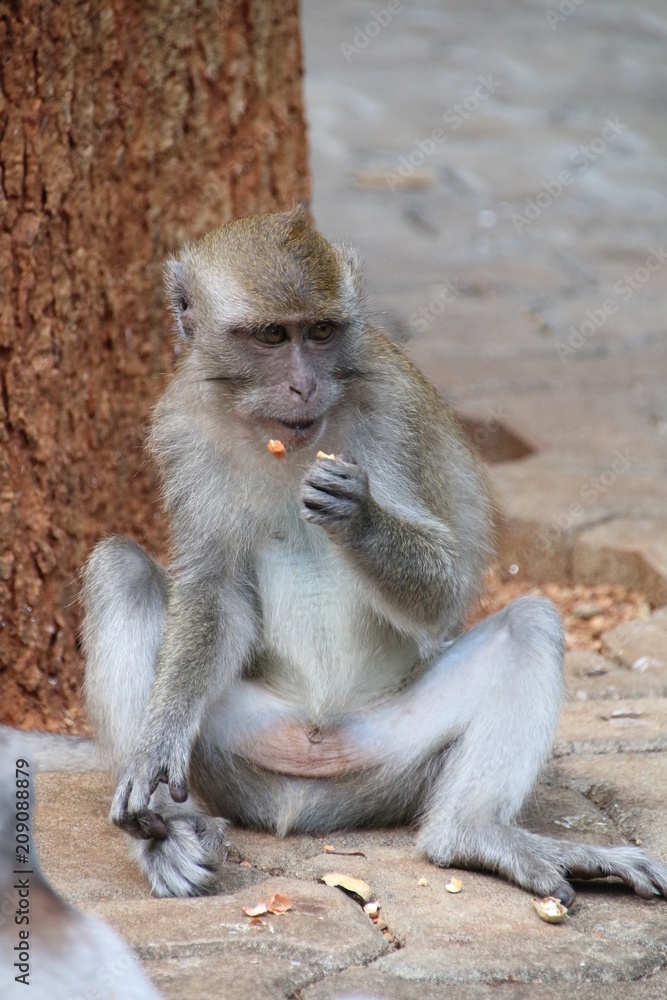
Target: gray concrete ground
(501, 166)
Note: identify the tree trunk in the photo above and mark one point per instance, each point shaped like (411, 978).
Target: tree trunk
(126, 127)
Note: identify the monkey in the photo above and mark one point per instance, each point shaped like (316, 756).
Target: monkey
(65, 953)
(303, 664)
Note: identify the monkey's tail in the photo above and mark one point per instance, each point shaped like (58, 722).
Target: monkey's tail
(52, 751)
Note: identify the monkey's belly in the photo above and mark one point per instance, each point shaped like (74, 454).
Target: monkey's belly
(256, 725)
(294, 748)
(326, 651)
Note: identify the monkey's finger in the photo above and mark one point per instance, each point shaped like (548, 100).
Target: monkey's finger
(178, 790)
(129, 824)
(640, 883)
(344, 493)
(318, 502)
(318, 498)
(140, 794)
(587, 872)
(126, 821)
(657, 875)
(152, 825)
(345, 489)
(342, 465)
(119, 805)
(641, 874)
(647, 877)
(659, 880)
(343, 468)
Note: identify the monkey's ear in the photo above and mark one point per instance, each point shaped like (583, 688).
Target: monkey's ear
(354, 266)
(178, 293)
(299, 214)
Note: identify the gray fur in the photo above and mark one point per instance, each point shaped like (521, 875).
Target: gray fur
(321, 596)
(56, 752)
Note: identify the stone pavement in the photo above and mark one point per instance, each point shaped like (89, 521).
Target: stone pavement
(502, 168)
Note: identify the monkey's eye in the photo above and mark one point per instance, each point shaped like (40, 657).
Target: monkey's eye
(321, 331)
(271, 335)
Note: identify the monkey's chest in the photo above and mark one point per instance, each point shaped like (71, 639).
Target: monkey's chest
(324, 648)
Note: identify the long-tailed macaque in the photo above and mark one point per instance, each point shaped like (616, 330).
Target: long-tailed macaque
(302, 664)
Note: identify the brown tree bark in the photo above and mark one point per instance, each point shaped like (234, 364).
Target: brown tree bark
(126, 127)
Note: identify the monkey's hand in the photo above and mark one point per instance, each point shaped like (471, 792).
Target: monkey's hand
(410, 563)
(143, 772)
(335, 494)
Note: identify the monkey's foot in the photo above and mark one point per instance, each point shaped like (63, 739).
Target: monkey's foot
(635, 866)
(542, 864)
(188, 860)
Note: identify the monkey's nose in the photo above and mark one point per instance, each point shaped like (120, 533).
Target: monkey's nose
(304, 389)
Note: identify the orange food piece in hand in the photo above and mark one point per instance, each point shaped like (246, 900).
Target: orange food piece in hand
(276, 448)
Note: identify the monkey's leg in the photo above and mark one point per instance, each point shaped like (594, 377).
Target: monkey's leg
(493, 700)
(125, 593)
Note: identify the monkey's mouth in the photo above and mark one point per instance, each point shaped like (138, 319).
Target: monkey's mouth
(298, 425)
(298, 432)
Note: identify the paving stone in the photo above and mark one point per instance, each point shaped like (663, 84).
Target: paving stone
(549, 517)
(427, 920)
(229, 977)
(616, 447)
(631, 789)
(73, 809)
(187, 944)
(303, 856)
(633, 725)
(564, 812)
(631, 552)
(325, 930)
(591, 676)
(380, 985)
(489, 931)
(641, 646)
(539, 515)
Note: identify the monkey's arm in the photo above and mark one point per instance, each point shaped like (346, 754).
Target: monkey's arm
(412, 561)
(209, 632)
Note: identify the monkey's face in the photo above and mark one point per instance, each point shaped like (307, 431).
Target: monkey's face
(272, 314)
(294, 384)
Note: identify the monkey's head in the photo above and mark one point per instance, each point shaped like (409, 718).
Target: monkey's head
(272, 313)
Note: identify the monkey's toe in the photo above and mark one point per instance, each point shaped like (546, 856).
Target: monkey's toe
(565, 893)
